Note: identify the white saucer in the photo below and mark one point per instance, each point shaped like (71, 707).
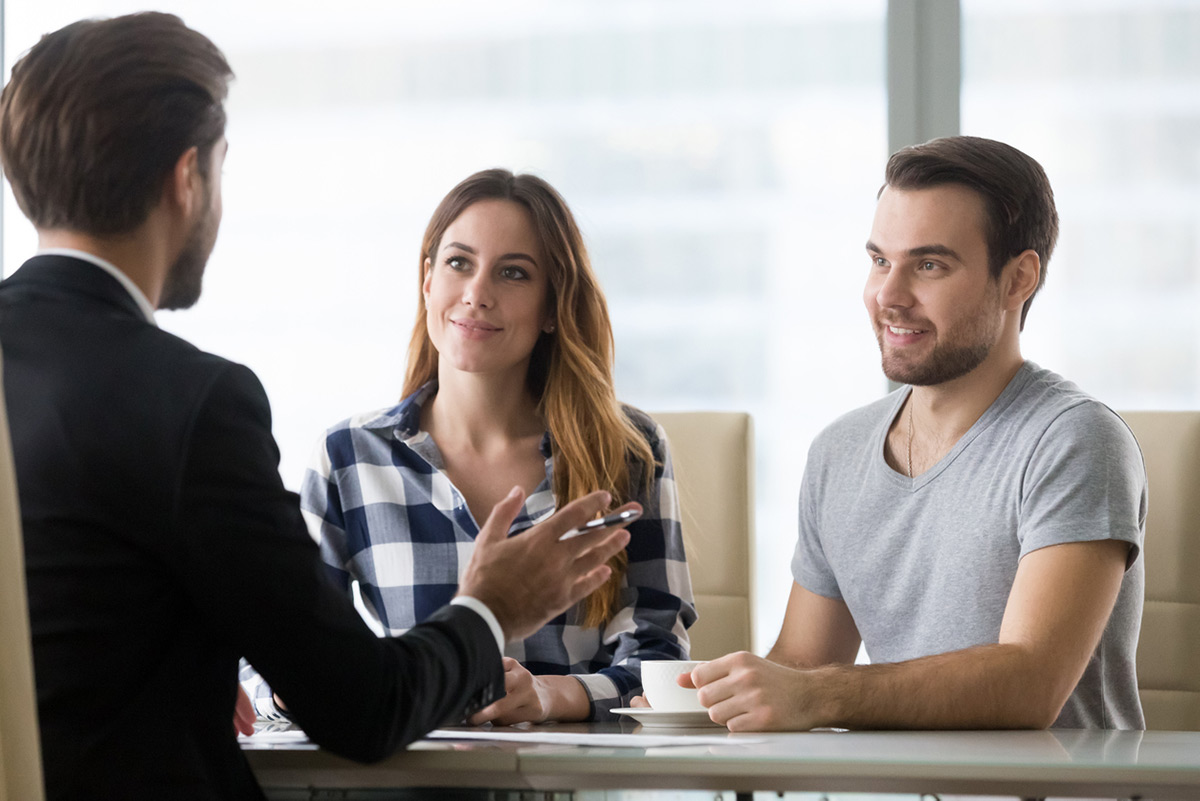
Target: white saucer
(676, 720)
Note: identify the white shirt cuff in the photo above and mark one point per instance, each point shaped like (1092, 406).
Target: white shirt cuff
(480, 608)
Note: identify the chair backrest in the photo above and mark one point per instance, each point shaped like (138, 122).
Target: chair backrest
(1168, 652)
(20, 749)
(713, 457)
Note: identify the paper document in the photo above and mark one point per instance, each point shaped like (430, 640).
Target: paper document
(610, 740)
(274, 731)
(293, 736)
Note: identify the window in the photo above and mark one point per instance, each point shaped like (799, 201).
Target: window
(722, 159)
(1107, 97)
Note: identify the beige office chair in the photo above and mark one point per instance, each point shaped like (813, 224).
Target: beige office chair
(1168, 653)
(20, 751)
(712, 453)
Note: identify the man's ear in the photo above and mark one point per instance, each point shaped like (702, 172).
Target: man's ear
(1024, 272)
(185, 184)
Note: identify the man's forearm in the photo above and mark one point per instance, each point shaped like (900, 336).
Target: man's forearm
(1004, 686)
(780, 656)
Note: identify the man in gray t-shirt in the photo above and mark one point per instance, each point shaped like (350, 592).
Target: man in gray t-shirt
(979, 529)
(927, 565)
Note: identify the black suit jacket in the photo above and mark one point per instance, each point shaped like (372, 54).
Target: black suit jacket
(161, 546)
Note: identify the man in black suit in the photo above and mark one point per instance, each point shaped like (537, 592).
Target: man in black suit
(160, 543)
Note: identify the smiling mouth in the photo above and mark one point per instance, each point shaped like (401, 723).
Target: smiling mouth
(475, 325)
(895, 329)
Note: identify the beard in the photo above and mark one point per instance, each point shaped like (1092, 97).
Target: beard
(181, 288)
(963, 347)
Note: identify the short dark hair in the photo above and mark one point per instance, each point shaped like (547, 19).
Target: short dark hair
(1018, 200)
(97, 114)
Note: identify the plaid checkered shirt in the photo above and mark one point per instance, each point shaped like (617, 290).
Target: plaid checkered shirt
(392, 526)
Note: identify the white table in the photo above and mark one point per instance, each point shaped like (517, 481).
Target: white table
(1152, 765)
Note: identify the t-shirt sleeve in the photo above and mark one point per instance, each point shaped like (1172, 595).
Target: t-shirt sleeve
(1085, 482)
(810, 568)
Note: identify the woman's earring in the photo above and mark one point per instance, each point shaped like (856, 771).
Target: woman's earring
(550, 328)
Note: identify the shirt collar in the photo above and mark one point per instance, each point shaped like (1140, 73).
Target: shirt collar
(138, 297)
(405, 419)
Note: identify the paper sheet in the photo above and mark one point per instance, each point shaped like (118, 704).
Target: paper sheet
(610, 740)
(292, 736)
(533, 736)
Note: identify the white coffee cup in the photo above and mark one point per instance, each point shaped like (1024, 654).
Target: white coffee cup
(661, 691)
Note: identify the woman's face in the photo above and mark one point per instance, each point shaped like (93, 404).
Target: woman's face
(486, 290)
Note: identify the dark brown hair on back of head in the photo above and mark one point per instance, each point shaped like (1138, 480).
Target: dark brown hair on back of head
(1018, 200)
(97, 114)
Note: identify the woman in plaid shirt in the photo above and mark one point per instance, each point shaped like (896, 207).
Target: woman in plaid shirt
(509, 381)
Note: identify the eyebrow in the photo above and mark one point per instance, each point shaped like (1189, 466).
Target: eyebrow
(923, 250)
(504, 257)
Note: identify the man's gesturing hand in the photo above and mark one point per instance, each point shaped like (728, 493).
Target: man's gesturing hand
(528, 579)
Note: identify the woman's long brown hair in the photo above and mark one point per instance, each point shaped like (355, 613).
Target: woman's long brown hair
(570, 373)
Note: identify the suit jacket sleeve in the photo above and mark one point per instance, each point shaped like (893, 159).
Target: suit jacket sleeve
(258, 582)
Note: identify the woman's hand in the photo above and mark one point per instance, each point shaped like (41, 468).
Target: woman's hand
(243, 714)
(526, 699)
(533, 699)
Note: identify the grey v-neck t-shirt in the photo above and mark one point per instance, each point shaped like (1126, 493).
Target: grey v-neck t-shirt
(925, 565)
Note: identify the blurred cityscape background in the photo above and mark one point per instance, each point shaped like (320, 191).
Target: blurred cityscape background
(722, 159)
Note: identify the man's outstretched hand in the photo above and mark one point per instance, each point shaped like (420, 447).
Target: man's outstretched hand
(528, 579)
